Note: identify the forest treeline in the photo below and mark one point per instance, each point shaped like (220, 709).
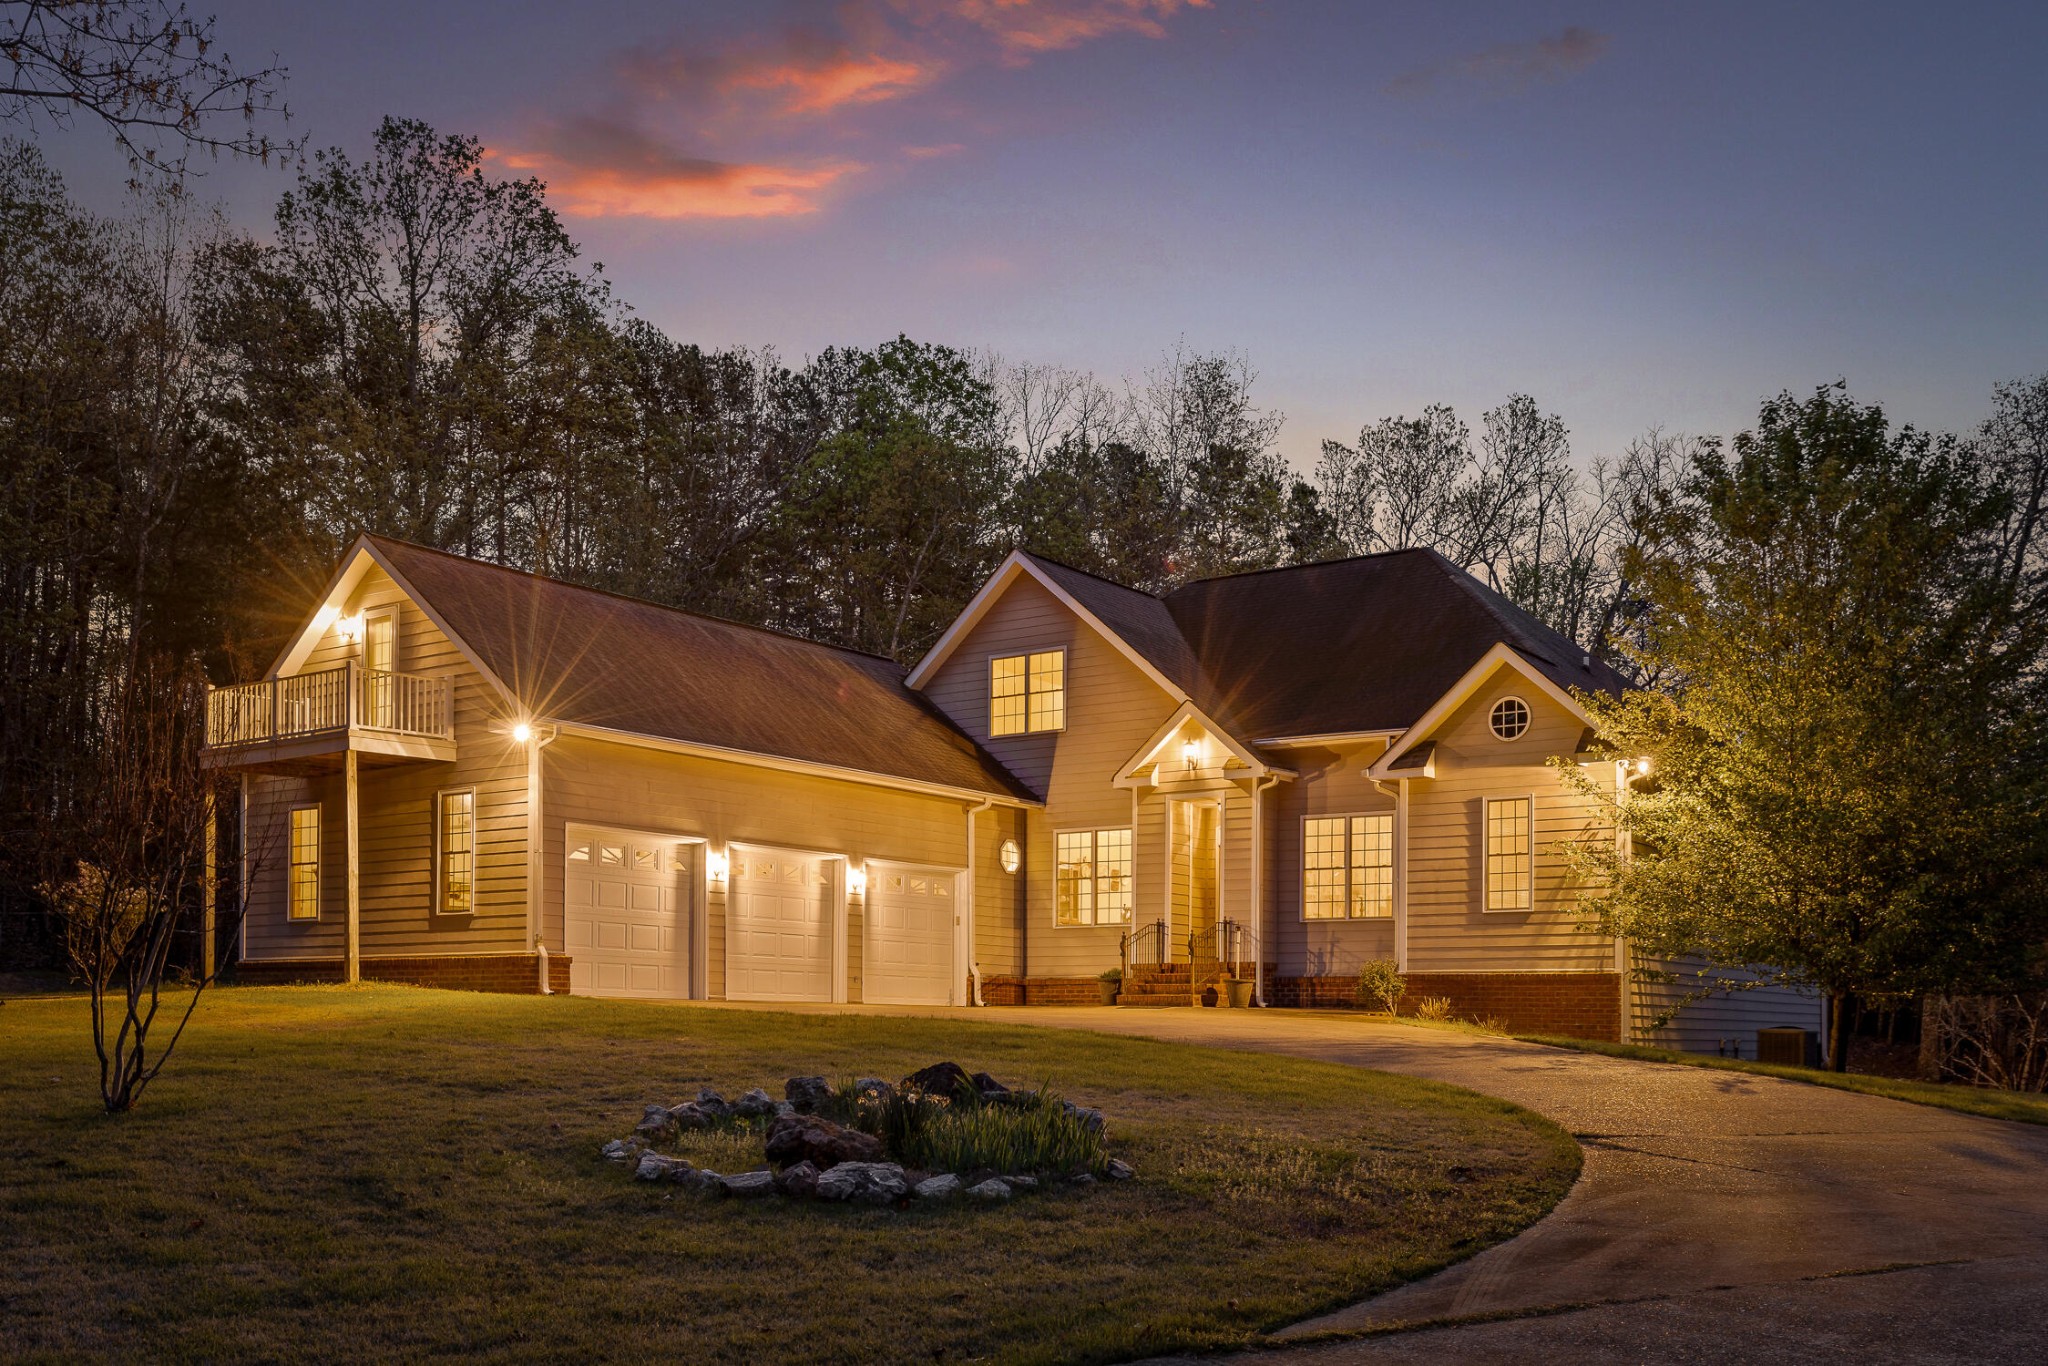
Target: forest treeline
(195, 420)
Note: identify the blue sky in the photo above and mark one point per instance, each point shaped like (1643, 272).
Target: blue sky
(1642, 214)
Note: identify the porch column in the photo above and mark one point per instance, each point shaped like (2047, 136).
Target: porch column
(352, 965)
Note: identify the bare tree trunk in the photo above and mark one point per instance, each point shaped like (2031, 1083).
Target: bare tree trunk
(1838, 1032)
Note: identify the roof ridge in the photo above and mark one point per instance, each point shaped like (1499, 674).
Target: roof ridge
(1313, 564)
(629, 599)
(1088, 574)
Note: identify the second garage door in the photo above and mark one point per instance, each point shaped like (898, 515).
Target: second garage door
(779, 926)
(909, 941)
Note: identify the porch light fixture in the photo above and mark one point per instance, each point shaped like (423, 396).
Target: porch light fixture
(1190, 751)
(349, 628)
(521, 733)
(856, 880)
(717, 864)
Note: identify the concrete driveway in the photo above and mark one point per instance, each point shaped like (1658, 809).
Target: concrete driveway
(1720, 1216)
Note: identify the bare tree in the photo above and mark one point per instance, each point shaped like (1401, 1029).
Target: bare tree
(136, 872)
(147, 69)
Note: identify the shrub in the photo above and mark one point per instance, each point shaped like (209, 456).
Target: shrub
(1379, 982)
(1024, 1131)
(1113, 976)
(1433, 1008)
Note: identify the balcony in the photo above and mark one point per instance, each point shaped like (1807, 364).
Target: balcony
(307, 721)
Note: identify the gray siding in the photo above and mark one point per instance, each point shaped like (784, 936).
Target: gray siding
(1112, 709)
(1333, 782)
(1718, 1022)
(1449, 929)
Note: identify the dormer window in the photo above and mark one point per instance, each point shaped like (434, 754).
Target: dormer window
(1027, 693)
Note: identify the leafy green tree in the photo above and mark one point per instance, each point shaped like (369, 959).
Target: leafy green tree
(1846, 786)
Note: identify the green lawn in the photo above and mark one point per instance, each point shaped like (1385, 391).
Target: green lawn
(385, 1171)
(1971, 1100)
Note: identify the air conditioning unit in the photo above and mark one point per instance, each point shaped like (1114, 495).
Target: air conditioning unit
(1788, 1046)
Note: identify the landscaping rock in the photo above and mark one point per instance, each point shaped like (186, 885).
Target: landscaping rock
(873, 1089)
(701, 1181)
(621, 1150)
(989, 1087)
(817, 1140)
(1083, 1179)
(946, 1080)
(750, 1184)
(1091, 1120)
(807, 1093)
(1022, 1183)
(864, 1183)
(781, 1108)
(654, 1122)
(995, 1188)
(754, 1104)
(799, 1182)
(655, 1167)
(1119, 1170)
(690, 1115)
(712, 1105)
(942, 1187)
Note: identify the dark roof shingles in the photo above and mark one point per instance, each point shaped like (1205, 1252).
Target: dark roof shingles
(582, 656)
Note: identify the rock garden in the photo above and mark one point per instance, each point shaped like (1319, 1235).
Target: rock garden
(939, 1134)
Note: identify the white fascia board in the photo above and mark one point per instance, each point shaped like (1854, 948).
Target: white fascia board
(362, 555)
(1188, 711)
(1339, 737)
(1499, 657)
(775, 761)
(1017, 563)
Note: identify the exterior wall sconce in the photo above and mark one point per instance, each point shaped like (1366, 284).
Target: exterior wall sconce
(856, 880)
(717, 864)
(1190, 751)
(521, 733)
(349, 628)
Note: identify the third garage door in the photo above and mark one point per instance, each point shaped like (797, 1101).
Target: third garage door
(779, 926)
(909, 940)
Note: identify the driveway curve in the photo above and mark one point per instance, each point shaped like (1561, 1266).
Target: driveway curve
(1720, 1216)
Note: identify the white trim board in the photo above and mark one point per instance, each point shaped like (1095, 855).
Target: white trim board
(1495, 659)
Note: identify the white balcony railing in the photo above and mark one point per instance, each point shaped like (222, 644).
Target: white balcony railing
(330, 702)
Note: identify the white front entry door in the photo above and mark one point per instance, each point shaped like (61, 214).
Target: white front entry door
(780, 918)
(911, 919)
(626, 913)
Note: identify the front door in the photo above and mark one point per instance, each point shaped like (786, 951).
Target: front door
(1197, 866)
(380, 658)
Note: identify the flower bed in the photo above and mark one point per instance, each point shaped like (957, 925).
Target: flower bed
(940, 1133)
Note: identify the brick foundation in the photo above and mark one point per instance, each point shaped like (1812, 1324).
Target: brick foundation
(1584, 1005)
(1041, 991)
(515, 973)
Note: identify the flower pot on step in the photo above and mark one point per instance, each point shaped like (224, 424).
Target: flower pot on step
(1108, 992)
(1239, 990)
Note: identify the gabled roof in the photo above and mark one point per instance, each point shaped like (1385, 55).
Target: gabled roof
(579, 656)
(1367, 644)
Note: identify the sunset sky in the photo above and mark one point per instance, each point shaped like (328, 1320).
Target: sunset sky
(1641, 214)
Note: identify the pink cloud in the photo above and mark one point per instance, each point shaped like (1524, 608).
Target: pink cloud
(598, 169)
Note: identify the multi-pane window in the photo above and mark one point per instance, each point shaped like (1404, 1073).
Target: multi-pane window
(304, 885)
(456, 852)
(1094, 885)
(1027, 693)
(1347, 867)
(1509, 851)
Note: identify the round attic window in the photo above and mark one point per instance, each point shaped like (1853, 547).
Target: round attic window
(1509, 719)
(1009, 856)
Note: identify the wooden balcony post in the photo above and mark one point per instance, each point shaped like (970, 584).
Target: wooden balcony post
(209, 887)
(352, 968)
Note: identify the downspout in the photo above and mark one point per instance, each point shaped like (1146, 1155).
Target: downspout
(966, 931)
(1398, 790)
(1259, 785)
(1625, 1026)
(535, 853)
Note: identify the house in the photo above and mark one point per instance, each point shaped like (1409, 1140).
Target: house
(463, 775)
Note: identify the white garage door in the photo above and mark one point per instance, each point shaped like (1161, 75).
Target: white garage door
(625, 914)
(910, 926)
(779, 923)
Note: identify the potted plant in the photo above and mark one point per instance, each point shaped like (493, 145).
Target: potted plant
(1239, 991)
(1111, 980)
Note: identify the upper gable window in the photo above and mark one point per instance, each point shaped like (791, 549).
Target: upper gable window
(1509, 719)
(1027, 693)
